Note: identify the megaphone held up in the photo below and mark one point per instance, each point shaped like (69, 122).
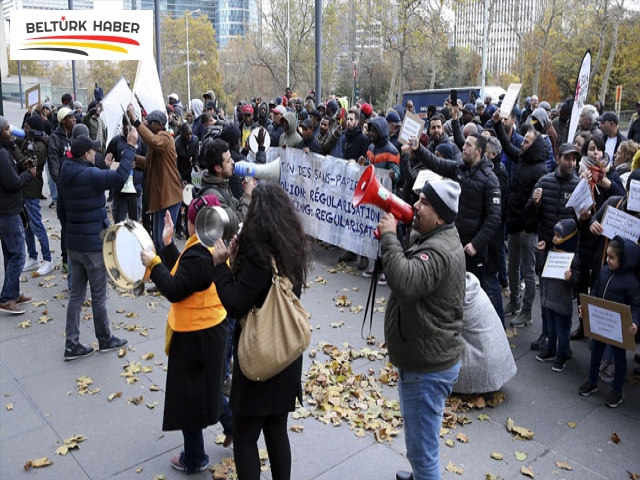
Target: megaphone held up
(213, 223)
(17, 132)
(369, 191)
(269, 171)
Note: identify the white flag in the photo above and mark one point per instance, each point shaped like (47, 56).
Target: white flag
(114, 102)
(147, 86)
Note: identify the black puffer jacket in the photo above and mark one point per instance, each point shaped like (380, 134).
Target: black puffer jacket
(59, 144)
(479, 211)
(529, 168)
(11, 183)
(556, 192)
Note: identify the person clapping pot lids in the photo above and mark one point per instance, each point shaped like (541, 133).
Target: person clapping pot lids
(271, 230)
(196, 337)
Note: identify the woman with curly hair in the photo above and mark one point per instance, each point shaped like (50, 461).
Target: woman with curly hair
(272, 230)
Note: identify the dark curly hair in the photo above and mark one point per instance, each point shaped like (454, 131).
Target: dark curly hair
(274, 228)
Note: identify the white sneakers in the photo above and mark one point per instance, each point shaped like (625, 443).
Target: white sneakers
(31, 264)
(45, 267)
(41, 268)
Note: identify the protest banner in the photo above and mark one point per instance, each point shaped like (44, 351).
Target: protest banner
(617, 222)
(581, 198)
(321, 190)
(633, 196)
(607, 321)
(509, 99)
(580, 95)
(412, 126)
(557, 264)
(81, 34)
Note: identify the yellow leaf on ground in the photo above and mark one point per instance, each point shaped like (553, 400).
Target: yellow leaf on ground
(496, 456)
(451, 467)
(572, 424)
(9, 406)
(147, 356)
(521, 432)
(490, 476)
(483, 416)
(563, 465)
(462, 438)
(296, 428)
(25, 324)
(528, 471)
(520, 456)
(139, 470)
(37, 463)
(633, 476)
(450, 443)
(615, 438)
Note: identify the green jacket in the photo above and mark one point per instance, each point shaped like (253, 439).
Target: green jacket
(423, 319)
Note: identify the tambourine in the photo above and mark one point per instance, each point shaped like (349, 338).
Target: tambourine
(253, 140)
(121, 248)
(187, 194)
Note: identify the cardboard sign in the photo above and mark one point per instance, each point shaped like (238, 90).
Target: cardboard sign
(581, 198)
(412, 126)
(633, 196)
(607, 321)
(32, 95)
(617, 222)
(509, 100)
(557, 264)
(425, 176)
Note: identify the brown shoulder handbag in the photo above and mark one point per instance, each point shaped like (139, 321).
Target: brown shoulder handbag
(274, 335)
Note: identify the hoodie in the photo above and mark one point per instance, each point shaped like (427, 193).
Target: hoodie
(290, 137)
(383, 154)
(622, 285)
(546, 128)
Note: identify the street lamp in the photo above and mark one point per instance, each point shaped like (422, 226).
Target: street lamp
(186, 18)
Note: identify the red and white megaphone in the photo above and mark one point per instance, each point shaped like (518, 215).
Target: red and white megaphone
(369, 191)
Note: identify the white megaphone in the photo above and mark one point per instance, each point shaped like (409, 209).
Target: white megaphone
(269, 171)
(129, 187)
(16, 132)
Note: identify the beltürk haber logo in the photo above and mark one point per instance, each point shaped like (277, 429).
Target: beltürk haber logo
(81, 34)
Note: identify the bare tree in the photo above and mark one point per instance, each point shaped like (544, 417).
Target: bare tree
(617, 16)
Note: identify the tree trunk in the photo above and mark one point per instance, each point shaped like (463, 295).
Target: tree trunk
(612, 54)
(596, 64)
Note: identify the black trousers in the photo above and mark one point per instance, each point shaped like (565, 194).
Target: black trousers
(246, 431)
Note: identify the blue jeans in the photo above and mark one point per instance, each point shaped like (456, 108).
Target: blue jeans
(12, 240)
(620, 356)
(422, 397)
(36, 229)
(127, 203)
(87, 266)
(158, 224)
(492, 287)
(559, 332)
(522, 256)
(53, 188)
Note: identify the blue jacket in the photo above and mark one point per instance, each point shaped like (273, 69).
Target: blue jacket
(83, 186)
(622, 285)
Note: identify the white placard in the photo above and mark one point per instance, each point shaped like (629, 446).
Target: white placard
(557, 264)
(425, 175)
(411, 127)
(633, 196)
(617, 222)
(509, 99)
(606, 323)
(581, 198)
(321, 190)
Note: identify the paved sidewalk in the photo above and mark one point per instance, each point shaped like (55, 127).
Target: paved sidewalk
(42, 403)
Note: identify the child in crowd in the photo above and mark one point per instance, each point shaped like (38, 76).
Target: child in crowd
(557, 297)
(617, 282)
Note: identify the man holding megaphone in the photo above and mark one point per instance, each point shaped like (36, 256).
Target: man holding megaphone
(423, 319)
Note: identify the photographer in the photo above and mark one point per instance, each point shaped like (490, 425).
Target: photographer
(34, 148)
(97, 127)
(11, 228)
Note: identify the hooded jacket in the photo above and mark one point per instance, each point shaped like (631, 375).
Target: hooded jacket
(40, 142)
(11, 183)
(622, 285)
(529, 168)
(423, 320)
(351, 145)
(383, 154)
(59, 144)
(290, 137)
(546, 127)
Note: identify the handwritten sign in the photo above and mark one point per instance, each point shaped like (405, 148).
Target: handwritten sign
(321, 190)
(32, 95)
(509, 99)
(633, 196)
(412, 126)
(607, 321)
(557, 264)
(425, 175)
(617, 222)
(581, 198)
